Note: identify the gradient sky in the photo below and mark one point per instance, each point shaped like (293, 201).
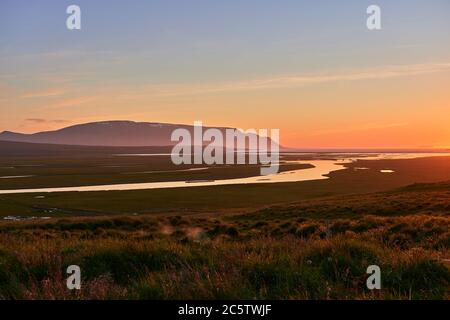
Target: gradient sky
(309, 68)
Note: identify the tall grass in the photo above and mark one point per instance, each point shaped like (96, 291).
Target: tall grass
(239, 258)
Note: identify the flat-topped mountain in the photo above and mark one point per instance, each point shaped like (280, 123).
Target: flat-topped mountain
(105, 133)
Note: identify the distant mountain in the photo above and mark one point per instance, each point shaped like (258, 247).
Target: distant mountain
(105, 133)
(25, 149)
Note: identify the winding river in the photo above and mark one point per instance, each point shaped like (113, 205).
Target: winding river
(319, 171)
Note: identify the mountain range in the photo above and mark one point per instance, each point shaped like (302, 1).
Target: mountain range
(106, 133)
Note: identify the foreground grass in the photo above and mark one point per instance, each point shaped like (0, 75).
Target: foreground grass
(316, 249)
(209, 258)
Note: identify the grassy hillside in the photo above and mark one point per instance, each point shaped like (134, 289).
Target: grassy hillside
(317, 249)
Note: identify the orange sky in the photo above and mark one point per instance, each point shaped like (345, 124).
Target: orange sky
(313, 71)
(398, 107)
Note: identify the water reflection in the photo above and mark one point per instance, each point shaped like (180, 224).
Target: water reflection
(318, 172)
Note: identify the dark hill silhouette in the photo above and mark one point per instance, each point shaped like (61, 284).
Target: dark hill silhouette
(105, 133)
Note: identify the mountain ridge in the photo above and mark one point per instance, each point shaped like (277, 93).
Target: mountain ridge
(118, 133)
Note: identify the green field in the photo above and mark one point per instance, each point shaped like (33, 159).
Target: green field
(220, 199)
(303, 240)
(318, 249)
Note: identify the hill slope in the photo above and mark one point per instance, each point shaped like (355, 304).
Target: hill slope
(105, 133)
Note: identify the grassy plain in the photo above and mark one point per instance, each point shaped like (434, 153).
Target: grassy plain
(305, 240)
(313, 250)
(220, 199)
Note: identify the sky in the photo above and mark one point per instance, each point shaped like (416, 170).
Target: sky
(309, 68)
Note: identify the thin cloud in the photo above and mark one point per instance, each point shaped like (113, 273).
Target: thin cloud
(39, 120)
(71, 102)
(57, 54)
(367, 127)
(43, 94)
(292, 81)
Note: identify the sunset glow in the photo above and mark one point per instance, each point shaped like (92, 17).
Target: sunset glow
(322, 89)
